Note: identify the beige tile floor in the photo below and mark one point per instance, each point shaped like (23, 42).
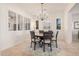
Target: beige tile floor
(20, 49)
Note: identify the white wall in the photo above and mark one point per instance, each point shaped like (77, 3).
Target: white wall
(0, 26)
(10, 38)
(53, 21)
(75, 17)
(68, 24)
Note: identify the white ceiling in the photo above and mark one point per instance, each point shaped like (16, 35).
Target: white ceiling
(33, 8)
(75, 8)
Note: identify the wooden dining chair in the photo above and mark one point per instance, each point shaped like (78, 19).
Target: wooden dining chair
(51, 32)
(41, 31)
(55, 38)
(34, 39)
(47, 40)
(78, 34)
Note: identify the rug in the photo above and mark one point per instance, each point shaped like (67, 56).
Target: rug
(39, 51)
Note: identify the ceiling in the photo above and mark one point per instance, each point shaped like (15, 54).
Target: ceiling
(75, 8)
(33, 8)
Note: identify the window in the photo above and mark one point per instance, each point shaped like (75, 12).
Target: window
(20, 22)
(17, 22)
(27, 23)
(37, 24)
(12, 21)
(58, 24)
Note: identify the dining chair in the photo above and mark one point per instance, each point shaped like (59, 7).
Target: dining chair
(51, 32)
(34, 39)
(78, 34)
(55, 38)
(41, 31)
(47, 40)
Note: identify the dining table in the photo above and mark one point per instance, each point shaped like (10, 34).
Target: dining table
(40, 37)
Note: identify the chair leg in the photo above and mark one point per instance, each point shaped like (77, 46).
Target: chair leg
(34, 45)
(56, 44)
(40, 43)
(43, 47)
(50, 47)
(31, 44)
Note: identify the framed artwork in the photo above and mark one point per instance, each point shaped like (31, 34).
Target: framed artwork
(76, 25)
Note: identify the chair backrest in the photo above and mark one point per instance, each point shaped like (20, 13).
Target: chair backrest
(47, 35)
(57, 34)
(41, 31)
(32, 33)
(78, 34)
(51, 32)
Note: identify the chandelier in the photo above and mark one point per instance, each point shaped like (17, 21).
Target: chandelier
(43, 14)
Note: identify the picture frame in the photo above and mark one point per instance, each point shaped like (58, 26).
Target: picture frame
(76, 25)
